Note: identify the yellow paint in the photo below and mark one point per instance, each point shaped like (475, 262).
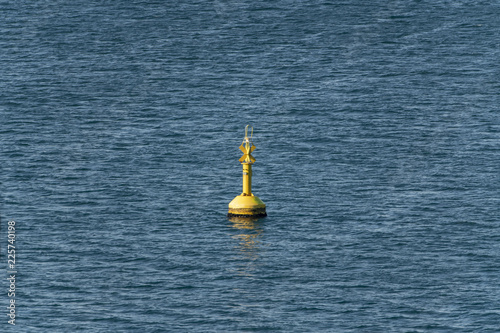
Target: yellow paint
(247, 204)
(247, 179)
(242, 201)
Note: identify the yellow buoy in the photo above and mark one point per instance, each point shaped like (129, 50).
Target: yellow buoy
(247, 204)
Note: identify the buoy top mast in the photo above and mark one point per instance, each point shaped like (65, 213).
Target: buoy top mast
(247, 147)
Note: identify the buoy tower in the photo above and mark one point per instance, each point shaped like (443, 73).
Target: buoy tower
(246, 204)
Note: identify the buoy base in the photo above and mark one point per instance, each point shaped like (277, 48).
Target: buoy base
(247, 205)
(247, 213)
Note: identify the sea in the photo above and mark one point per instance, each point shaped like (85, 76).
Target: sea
(377, 133)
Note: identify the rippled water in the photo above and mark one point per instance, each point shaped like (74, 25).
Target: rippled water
(377, 130)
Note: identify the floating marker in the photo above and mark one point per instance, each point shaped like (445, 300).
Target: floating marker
(247, 204)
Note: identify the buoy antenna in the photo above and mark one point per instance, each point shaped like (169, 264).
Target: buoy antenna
(246, 134)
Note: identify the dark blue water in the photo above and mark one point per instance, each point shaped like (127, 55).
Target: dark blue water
(377, 127)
